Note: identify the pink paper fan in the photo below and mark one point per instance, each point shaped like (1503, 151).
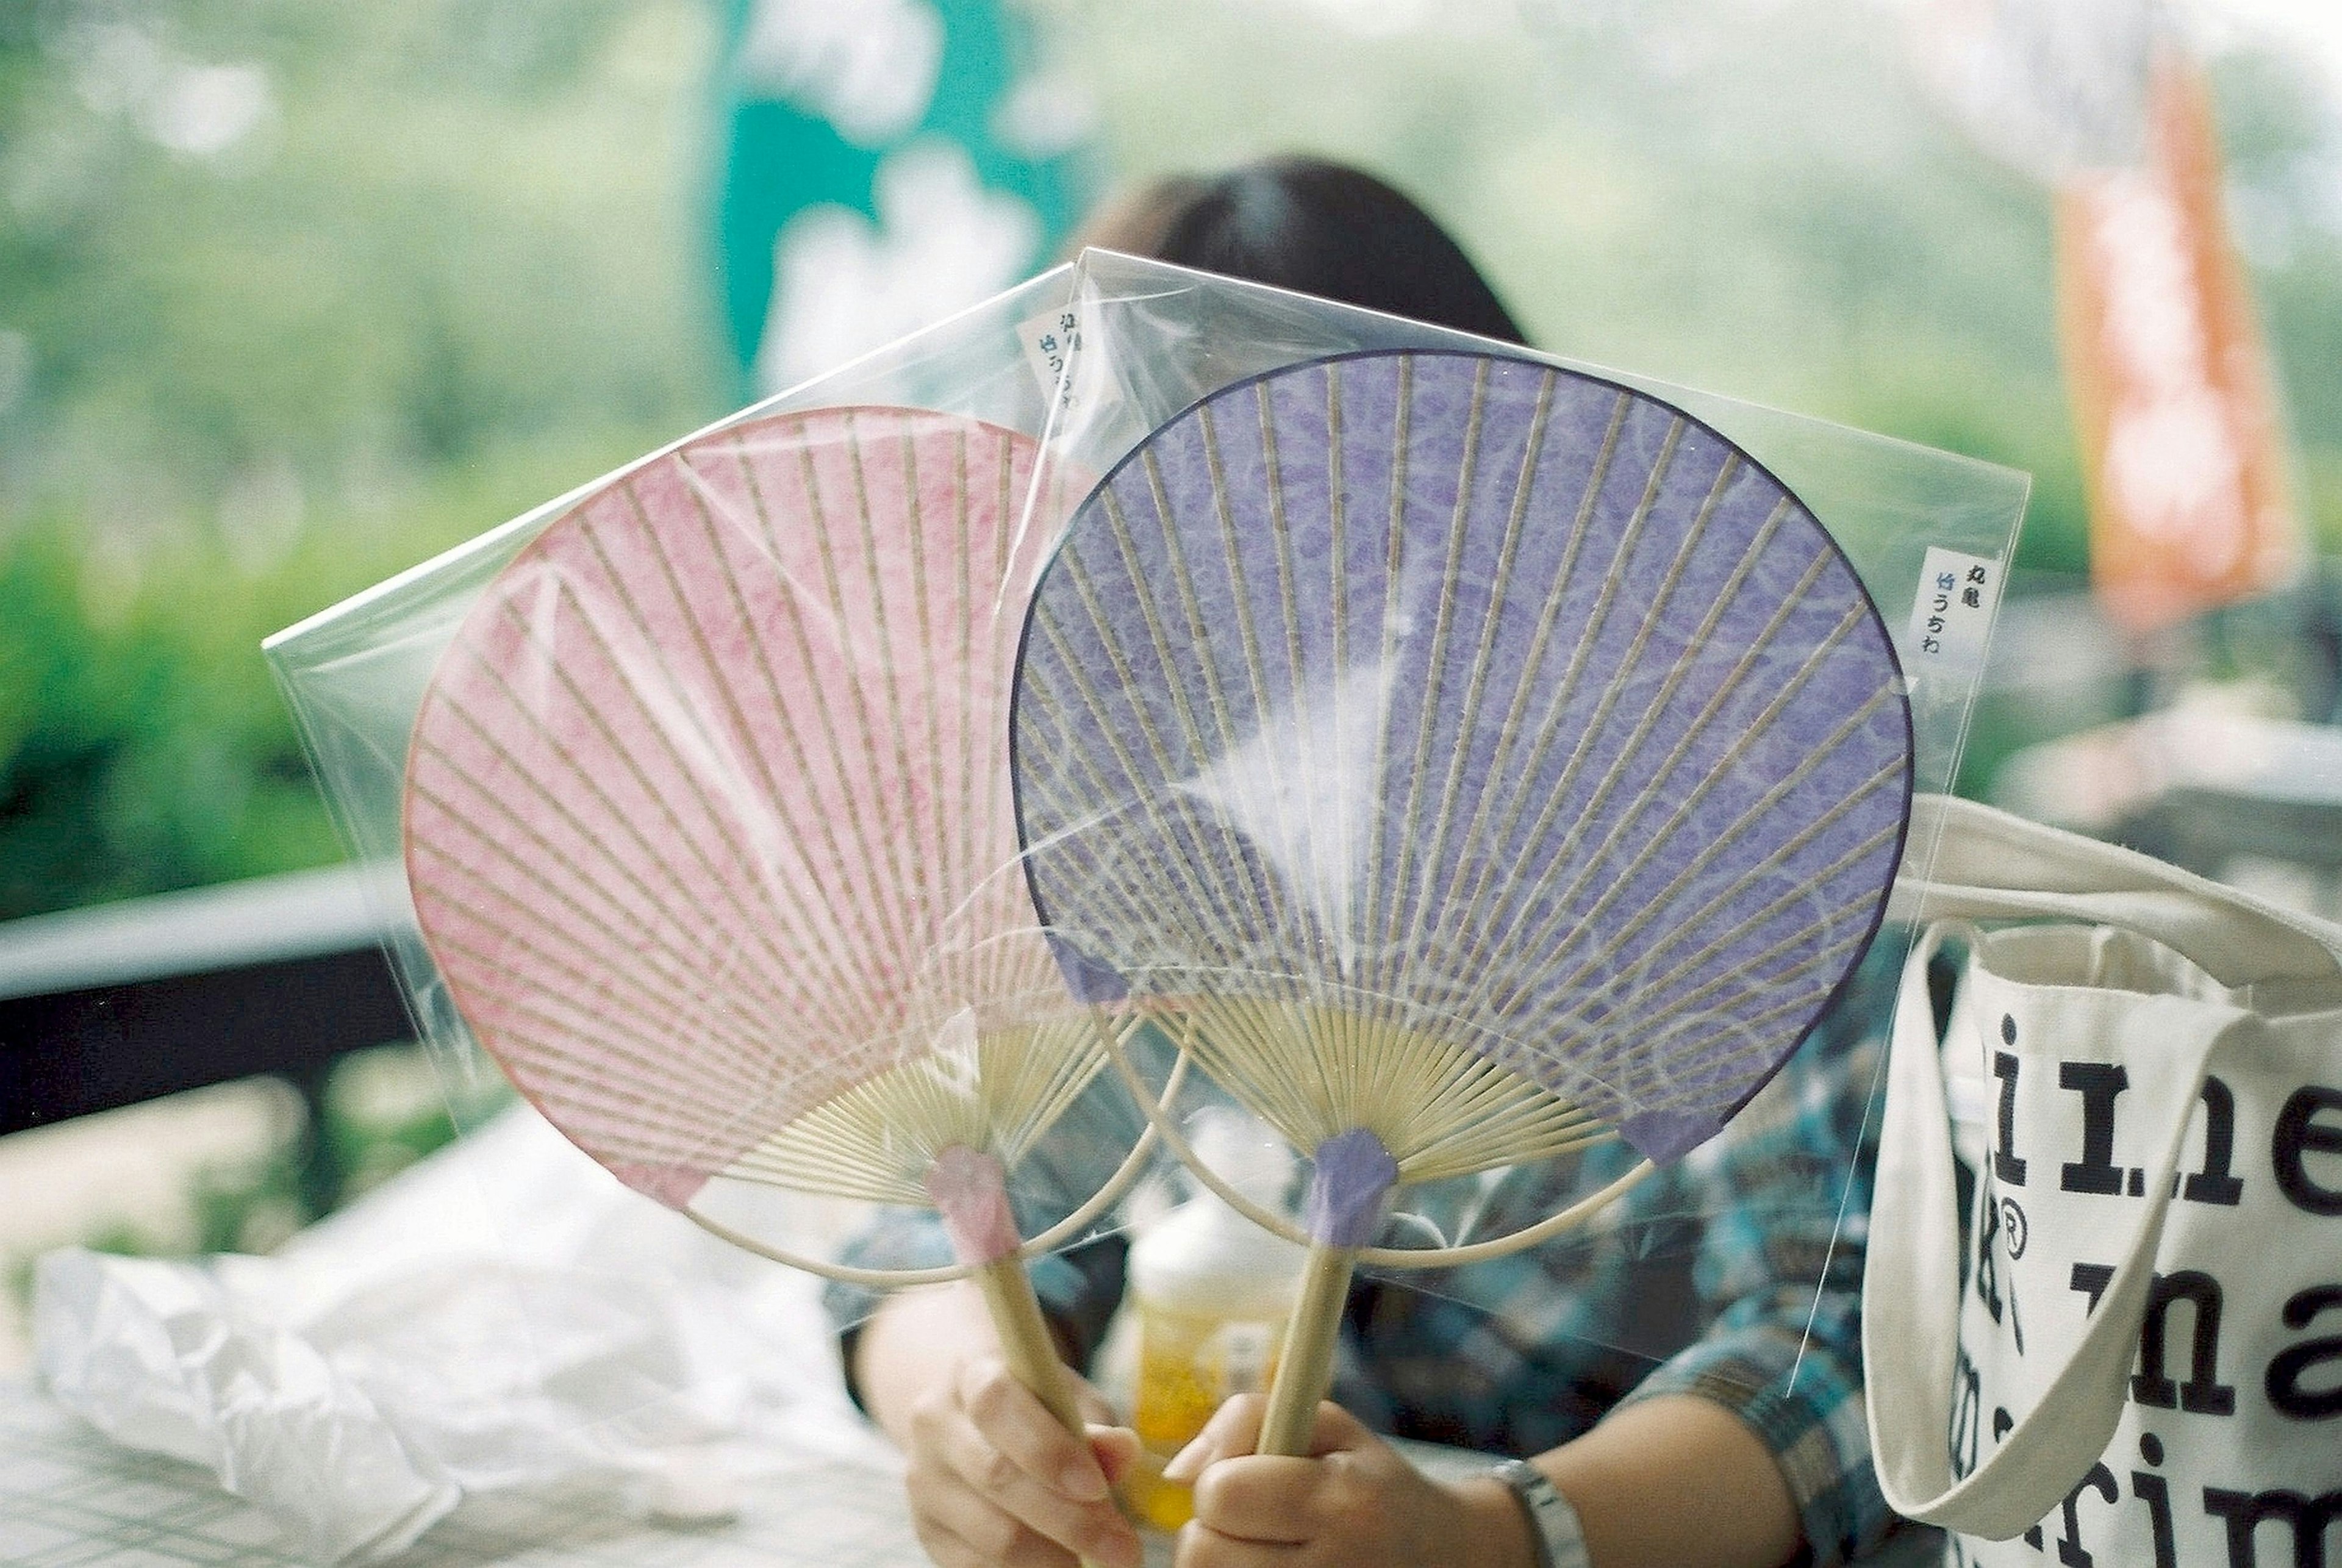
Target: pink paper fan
(708, 822)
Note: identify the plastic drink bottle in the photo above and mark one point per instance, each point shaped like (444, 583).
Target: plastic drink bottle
(1211, 1292)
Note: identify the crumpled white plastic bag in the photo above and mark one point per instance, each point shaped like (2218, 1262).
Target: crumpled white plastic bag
(157, 1355)
(406, 1354)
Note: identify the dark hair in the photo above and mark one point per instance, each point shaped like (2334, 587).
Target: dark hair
(1313, 226)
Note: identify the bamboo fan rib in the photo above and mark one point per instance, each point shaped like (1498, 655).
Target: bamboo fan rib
(708, 822)
(1477, 754)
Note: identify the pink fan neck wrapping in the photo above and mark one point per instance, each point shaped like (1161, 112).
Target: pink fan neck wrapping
(970, 1191)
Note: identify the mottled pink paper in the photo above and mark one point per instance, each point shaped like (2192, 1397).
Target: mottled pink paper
(707, 807)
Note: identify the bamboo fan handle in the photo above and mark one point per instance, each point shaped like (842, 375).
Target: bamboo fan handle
(1304, 1367)
(1025, 1339)
(1025, 1342)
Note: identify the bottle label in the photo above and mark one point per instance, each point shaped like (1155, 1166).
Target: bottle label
(1244, 1352)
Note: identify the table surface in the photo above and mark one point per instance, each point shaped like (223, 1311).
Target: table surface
(70, 1496)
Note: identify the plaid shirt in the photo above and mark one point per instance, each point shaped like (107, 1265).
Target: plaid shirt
(1728, 1276)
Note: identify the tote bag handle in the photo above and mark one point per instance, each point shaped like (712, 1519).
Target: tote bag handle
(1911, 1302)
(1980, 864)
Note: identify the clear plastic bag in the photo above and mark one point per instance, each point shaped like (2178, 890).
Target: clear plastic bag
(1290, 781)
(407, 1355)
(696, 775)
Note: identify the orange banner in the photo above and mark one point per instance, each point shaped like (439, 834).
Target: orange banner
(2172, 402)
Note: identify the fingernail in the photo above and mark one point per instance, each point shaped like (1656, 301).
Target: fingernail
(1186, 1465)
(1081, 1483)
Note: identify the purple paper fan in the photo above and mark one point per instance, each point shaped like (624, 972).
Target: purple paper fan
(1495, 704)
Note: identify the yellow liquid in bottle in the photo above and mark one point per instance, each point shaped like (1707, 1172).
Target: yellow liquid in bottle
(1189, 1366)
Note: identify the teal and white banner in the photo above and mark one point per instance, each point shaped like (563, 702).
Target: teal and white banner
(884, 163)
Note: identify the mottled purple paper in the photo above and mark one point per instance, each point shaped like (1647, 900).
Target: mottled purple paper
(1511, 705)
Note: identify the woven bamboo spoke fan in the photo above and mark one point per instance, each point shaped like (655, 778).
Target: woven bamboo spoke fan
(709, 832)
(1474, 758)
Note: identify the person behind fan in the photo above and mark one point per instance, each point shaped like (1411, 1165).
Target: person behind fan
(1680, 1410)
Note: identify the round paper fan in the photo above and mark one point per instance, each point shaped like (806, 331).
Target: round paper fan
(1477, 757)
(708, 827)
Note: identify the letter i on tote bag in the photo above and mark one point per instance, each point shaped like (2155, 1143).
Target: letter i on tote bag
(2136, 1358)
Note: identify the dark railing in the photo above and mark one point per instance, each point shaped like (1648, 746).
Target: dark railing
(110, 1005)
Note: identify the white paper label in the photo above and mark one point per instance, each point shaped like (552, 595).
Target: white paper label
(1069, 368)
(1051, 340)
(1951, 616)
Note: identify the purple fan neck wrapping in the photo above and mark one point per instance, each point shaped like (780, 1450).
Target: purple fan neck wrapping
(1353, 1179)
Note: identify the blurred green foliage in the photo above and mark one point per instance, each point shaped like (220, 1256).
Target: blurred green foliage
(293, 295)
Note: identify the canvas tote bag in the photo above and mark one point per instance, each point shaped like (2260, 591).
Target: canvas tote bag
(2136, 1358)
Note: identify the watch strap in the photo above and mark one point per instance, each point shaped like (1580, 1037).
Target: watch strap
(1552, 1524)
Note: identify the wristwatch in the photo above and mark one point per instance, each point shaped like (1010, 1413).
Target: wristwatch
(1553, 1522)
